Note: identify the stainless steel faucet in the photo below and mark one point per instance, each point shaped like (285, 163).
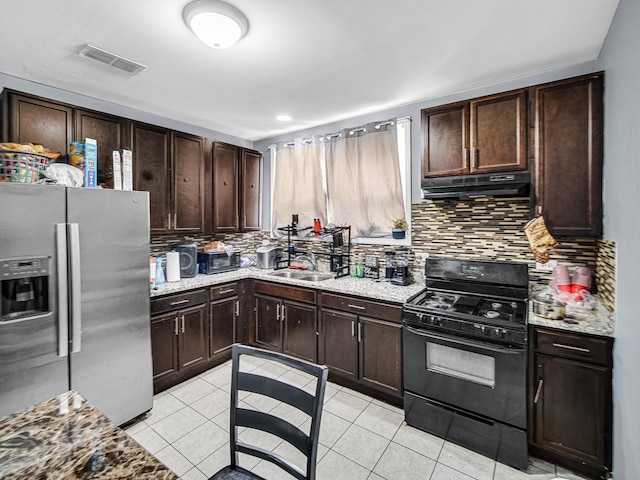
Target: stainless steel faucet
(310, 257)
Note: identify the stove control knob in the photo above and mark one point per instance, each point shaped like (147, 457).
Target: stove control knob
(477, 326)
(434, 320)
(500, 332)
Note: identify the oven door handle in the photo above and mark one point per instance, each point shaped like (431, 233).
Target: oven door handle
(467, 342)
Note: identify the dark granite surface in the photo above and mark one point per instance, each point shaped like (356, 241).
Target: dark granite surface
(66, 438)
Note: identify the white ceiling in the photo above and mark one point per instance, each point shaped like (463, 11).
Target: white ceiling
(318, 60)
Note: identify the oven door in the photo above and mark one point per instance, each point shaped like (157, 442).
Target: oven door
(482, 378)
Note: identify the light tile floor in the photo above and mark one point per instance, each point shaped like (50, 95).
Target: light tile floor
(360, 438)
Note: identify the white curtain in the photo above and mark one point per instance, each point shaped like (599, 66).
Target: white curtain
(363, 179)
(298, 186)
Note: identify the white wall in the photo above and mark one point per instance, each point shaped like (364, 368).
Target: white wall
(412, 111)
(621, 61)
(26, 86)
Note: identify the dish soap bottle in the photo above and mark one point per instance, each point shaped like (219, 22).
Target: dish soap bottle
(159, 272)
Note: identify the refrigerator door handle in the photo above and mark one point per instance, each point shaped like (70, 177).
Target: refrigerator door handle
(76, 305)
(63, 290)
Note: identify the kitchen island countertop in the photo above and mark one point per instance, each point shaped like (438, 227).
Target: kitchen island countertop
(65, 437)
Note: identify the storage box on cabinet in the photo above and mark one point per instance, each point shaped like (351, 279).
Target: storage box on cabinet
(570, 400)
(361, 341)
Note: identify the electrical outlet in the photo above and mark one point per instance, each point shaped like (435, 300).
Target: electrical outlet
(546, 267)
(421, 257)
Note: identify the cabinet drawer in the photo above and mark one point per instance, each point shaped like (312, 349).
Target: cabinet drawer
(178, 301)
(285, 291)
(574, 346)
(358, 306)
(222, 291)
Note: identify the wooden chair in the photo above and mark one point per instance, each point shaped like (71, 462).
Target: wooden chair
(311, 404)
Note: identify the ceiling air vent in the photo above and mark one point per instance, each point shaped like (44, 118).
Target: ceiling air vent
(108, 58)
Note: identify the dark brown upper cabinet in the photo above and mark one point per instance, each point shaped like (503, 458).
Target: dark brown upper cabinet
(483, 135)
(39, 121)
(236, 188)
(567, 154)
(110, 133)
(170, 166)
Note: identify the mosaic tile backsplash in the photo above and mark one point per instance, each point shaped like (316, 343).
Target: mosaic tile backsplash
(481, 228)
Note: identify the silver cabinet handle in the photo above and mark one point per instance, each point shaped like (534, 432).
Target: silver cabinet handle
(222, 292)
(359, 332)
(175, 221)
(175, 326)
(278, 312)
(182, 324)
(237, 308)
(180, 302)
(538, 391)
(63, 290)
(570, 347)
(168, 221)
(284, 313)
(353, 327)
(357, 307)
(76, 292)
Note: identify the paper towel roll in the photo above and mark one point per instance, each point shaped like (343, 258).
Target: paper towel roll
(173, 267)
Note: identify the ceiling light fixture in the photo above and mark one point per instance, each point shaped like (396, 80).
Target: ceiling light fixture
(217, 24)
(284, 118)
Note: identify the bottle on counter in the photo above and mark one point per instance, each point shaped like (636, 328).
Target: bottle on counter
(159, 271)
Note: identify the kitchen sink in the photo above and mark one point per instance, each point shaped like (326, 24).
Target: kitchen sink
(288, 273)
(316, 277)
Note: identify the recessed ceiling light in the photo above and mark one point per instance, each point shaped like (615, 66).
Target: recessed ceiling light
(284, 118)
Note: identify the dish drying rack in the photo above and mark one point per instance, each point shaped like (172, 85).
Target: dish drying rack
(339, 253)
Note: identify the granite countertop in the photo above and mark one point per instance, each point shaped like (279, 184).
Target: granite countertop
(66, 438)
(364, 287)
(598, 321)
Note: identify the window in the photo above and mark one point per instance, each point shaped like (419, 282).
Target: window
(358, 177)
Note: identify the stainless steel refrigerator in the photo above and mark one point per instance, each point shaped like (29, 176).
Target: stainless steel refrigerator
(74, 309)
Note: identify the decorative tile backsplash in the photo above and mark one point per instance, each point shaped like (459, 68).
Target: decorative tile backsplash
(481, 228)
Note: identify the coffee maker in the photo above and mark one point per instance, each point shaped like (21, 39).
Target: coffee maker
(397, 269)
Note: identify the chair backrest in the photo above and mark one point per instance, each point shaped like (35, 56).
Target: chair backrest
(256, 382)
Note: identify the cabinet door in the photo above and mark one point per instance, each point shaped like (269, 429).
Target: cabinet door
(250, 188)
(381, 355)
(188, 183)
(568, 155)
(446, 140)
(222, 324)
(269, 323)
(34, 120)
(107, 130)
(338, 342)
(193, 336)
(164, 344)
(151, 155)
(225, 187)
(300, 338)
(499, 133)
(570, 406)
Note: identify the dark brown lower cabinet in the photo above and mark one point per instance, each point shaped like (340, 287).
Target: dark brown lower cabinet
(570, 400)
(286, 320)
(361, 342)
(224, 310)
(179, 345)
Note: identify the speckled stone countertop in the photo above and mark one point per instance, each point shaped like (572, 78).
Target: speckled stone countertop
(598, 321)
(363, 287)
(66, 438)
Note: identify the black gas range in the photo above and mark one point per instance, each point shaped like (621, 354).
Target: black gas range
(464, 356)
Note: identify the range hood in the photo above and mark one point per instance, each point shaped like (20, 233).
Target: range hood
(491, 184)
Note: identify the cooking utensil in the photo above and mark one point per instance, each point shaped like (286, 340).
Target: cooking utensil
(546, 306)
